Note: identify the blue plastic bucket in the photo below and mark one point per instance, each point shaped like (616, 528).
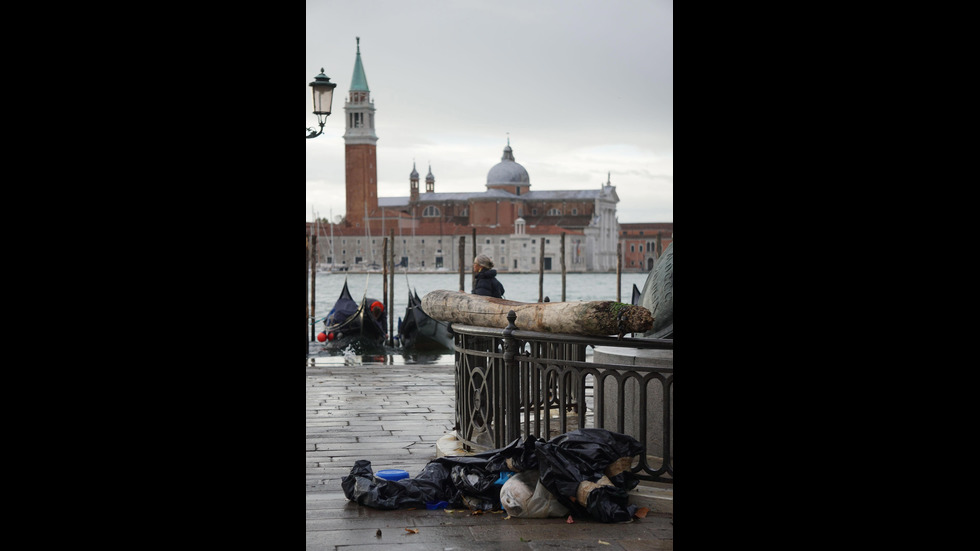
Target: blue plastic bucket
(392, 474)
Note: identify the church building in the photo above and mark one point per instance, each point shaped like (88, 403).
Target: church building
(510, 219)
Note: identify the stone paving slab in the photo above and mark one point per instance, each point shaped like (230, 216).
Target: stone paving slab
(394, 416)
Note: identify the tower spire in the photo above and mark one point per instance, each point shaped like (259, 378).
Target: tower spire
(358, 82)
(430, 180)
(360, 149)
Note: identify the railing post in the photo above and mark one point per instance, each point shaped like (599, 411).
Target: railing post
(511, 382)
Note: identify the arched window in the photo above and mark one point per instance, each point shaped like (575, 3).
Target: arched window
(554, 212)
(430, 211)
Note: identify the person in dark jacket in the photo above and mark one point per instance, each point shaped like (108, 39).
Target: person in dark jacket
(486, 278)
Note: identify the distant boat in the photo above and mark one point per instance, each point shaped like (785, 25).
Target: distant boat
(420, 333)
(350, 323)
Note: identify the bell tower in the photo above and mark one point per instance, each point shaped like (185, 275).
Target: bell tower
(413, 183)
(430, 181)
(360, 147)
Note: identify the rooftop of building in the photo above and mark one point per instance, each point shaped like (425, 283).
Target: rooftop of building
(425, 228)
(645, 226)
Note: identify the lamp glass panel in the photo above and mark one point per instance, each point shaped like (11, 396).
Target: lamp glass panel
(322, 98)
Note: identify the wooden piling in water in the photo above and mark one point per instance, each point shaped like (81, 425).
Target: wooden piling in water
(312, 314)
(619, 270)
(462, 262)
(391, 290)
(541, 272)
(384, 278)
(307, 290)
(563, 266)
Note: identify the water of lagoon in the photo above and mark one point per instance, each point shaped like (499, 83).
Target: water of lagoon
(521, 287)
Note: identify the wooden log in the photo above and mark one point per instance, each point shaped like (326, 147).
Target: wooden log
(590, 318)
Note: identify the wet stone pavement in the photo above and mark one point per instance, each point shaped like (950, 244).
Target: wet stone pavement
(393, 416)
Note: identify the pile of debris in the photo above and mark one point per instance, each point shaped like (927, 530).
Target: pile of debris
(585, 471)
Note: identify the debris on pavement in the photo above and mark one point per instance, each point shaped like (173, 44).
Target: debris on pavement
(585, 471)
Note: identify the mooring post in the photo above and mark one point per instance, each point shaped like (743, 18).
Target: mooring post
(511, 382)
(462, 262)
(307, 292)
(313, 256)
(619, 269)
(541, 273)
(384, 284)
(470, 263)
(391, 289)
(563, 266)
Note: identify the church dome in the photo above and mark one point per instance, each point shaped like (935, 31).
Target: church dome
(507, 172)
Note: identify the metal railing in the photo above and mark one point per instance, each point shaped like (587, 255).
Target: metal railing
(514, 384)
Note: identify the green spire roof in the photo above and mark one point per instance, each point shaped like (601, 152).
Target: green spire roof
(358, 82)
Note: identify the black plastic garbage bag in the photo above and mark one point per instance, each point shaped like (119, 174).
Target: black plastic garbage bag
(517, 456)
(584, 469)
(433, 484)
(477, 490)
(460, 481)
(610, 504)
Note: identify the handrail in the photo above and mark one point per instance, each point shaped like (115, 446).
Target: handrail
(631, 342)
(512, 383)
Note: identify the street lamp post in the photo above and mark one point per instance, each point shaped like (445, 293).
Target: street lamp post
(322, 100)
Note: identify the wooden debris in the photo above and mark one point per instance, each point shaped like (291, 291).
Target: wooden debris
(589, 318)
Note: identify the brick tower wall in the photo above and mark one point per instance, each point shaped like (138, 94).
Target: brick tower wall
(362, 181)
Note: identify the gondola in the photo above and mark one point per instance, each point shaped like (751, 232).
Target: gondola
(350, 323)
(420, 333)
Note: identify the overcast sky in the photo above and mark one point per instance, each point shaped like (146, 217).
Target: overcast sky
(583, 88)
